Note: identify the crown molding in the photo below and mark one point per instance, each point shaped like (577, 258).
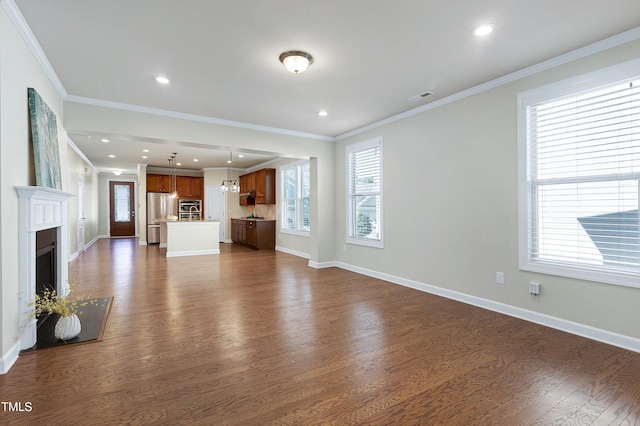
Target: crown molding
(21, 25)
(81, 155)
(574, 55)
(193, 117)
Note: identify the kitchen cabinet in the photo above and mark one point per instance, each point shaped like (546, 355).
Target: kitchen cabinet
(189, 187)
(262, 183)
(255, 233)
(239, 231)
(247, 183)
(265, 186)
(159, 183)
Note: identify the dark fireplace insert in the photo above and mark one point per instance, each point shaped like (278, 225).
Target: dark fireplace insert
(46, 261)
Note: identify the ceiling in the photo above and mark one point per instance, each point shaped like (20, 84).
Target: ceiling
(370, 57)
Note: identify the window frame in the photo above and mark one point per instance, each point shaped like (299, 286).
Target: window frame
(299, 199)
(350, 237)
(575, 85)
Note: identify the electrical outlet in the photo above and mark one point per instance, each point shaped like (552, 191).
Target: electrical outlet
(500, 277)
(534, 288)
(344, 247)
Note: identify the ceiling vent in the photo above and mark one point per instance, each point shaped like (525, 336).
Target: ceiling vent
(421, 96)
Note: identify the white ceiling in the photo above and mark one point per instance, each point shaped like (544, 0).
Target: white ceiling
(222, 58)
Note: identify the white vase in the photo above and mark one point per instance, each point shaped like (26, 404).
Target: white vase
(67, 327)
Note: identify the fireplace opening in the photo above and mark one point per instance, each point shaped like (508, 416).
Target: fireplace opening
(46, 261)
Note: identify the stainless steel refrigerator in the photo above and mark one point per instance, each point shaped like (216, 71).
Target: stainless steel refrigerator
(159, 206)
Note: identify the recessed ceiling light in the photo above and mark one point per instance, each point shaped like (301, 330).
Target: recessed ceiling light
(145, 150)
(112, 156)
(104, 140)
(145, 157)
(163, 80)
(323, 113)
(484, 29)
(240, 155)
(195, 159)
(178, 164)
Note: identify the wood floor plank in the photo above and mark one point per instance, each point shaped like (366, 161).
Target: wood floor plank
(258, 337)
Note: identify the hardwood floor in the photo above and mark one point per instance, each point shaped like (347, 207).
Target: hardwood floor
(252, 338)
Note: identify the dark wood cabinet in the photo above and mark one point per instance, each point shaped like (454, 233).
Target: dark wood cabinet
(265, 186)
(247, 184)
(238, 231)
(257, 234)
(262, 183)
(190, 187)
(159, 183)
(252, 233)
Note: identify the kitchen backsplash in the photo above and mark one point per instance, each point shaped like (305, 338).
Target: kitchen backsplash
(268, 211)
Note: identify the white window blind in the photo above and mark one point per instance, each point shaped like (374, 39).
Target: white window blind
(364, 184)
(583, 169)
(296, 184)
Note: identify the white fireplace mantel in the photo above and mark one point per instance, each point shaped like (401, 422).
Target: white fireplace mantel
(40, 208)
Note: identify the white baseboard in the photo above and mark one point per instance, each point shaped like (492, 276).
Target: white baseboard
(73, 256)
(8, 359)
(192, 253)
(293, 252)
(142, 243)
(320, 265)
(604, 336)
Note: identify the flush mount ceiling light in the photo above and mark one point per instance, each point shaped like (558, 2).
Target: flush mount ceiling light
(483, 30)
(296, 61)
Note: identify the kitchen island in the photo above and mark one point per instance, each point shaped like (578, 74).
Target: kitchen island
(185, 238)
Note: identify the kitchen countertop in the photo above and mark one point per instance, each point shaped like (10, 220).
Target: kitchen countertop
(262, 219)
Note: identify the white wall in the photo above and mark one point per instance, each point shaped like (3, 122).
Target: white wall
(19, 70)
(451, 207)
(77, 167)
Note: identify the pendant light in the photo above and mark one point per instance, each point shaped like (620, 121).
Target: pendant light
(229, 185)
(172, 164)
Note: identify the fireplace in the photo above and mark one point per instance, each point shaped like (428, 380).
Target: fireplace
(43, 248)
(46, 264)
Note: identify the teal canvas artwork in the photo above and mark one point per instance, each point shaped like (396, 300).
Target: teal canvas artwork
(44, 137)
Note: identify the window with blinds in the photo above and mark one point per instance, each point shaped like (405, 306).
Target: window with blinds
(296, 196)
(364, 193)
(582, 168)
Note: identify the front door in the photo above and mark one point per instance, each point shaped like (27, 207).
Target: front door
(122, 208)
